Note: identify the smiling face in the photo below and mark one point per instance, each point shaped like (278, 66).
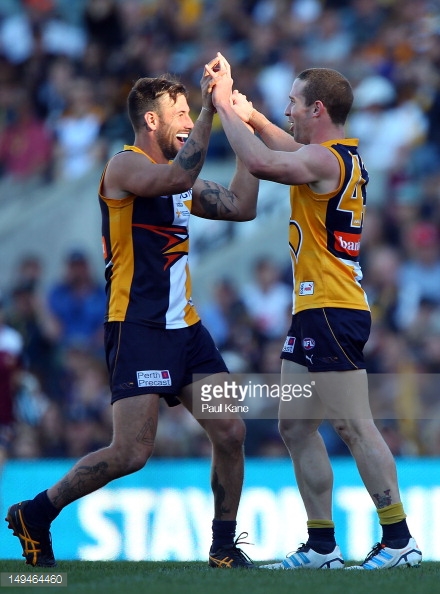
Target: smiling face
(174, 125)
(299, 115)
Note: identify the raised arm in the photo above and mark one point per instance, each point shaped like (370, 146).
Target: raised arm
(236, 203)
(309, 164)
(131, 172)
(272, 136)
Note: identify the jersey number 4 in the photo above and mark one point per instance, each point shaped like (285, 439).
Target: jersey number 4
(352, 200)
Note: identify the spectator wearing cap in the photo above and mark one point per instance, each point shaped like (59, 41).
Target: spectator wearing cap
(77, 303)
(388, 124)
(419, 274)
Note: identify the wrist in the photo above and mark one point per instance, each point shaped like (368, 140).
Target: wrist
(258, 121)
(206, 115)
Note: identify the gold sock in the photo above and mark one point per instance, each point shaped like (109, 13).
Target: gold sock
(320, 524)
(391, 514)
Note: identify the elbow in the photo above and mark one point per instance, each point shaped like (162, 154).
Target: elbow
(247, 215)
(250, 215)
(257, 167)
(181, 183)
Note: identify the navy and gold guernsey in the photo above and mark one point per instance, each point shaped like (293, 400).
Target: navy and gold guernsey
(145, 245)
(324, 237)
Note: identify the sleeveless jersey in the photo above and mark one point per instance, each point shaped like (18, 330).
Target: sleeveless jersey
(324, 236)
(145, 244)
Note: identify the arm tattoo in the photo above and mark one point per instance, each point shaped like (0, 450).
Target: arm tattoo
(216, 201)
(83, 480)
(147, 434)
(219, 497)
(192, 157)
(383, 500)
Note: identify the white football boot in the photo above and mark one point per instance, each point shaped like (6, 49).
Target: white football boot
(383, 557)
(307, 558)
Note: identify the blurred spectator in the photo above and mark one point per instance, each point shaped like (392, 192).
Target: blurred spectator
(77, 303)
(29, 270)
(433, 118)
(31, 402)
(11, 344)
(116, 129)
(329, 42)
(223, 311)
(28, 314)
(381, 283)
(386, 132)
(274, 82)
(51, 92)
(88, 424)
(89, 393)
(37, 28)
(364, 18)
(26, 144)
(419, 275)
(26, 445)
(103, 25)
(268, 299)
(78, 149)
(52, 432)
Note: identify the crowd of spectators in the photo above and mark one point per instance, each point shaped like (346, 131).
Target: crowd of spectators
(65, 70)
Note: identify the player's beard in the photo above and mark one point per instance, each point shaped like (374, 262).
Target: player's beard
(167, 145)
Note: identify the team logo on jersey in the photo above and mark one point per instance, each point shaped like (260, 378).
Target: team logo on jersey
(153, 377)
(307, 288)
(177, 241)
(185, 196)
(349, 243)
(181, 208)
(295, 238)
(308, 344)
(289, 344)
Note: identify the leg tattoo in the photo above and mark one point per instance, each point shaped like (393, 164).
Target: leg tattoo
(147, 434)
(82, 481)
(219, 497)
(383, 500)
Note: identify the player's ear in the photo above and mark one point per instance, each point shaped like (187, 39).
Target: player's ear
(151, 120)
(318, 108)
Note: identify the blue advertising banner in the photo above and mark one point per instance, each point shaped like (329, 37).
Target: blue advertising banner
(164, 512)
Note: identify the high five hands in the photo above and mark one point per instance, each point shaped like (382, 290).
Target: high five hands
(220, 84)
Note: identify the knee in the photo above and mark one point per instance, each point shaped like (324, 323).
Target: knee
(130, 459)
(348, 431)
(293, 431)
(342, 429)
(228, 436)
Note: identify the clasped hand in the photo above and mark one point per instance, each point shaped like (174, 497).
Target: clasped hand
(220, 84)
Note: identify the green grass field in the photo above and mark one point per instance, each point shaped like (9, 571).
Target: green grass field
(129, 577)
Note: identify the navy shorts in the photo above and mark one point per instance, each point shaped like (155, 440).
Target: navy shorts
(328, 339)
(144, 360)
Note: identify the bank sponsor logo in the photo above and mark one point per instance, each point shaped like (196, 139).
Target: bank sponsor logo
(347, 242)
